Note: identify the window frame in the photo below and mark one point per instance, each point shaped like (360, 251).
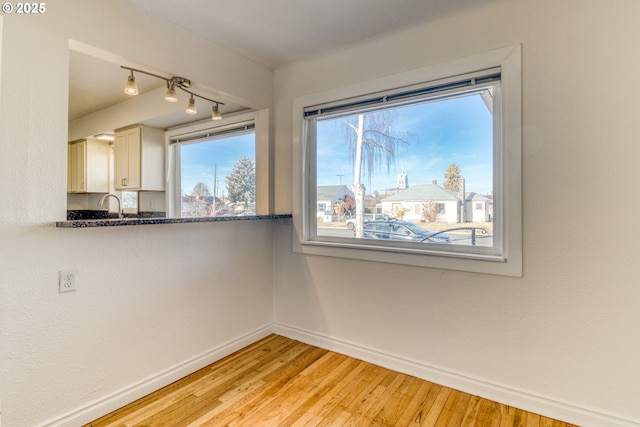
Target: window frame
(260, 120)
(507, 171)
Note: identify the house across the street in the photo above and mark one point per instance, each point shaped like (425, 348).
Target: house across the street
(414, 204)
(328, 195)
(413, 199)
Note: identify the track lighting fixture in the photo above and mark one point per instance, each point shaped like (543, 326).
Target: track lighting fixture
(170, 95)
(131, 88)
(191, 107)
(215, 113)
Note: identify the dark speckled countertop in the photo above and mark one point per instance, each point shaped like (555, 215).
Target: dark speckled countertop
(115, 222)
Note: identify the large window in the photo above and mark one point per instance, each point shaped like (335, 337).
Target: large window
(215, 172)
(422, 160)
(438, 158)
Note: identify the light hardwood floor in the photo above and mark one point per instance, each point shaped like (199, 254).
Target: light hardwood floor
(281, 382)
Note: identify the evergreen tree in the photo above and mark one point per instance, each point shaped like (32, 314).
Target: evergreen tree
(241, 182)
(452, 178)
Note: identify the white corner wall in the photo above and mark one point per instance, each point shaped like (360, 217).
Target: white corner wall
(562, 340)
(154, 302)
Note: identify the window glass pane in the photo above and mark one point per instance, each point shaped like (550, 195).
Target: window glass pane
(427, 165)
(129, 201)
(217, 176)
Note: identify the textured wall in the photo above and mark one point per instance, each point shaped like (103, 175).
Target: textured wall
(150, 297)
(567, 330)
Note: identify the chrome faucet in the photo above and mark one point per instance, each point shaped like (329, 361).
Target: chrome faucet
(105, 197)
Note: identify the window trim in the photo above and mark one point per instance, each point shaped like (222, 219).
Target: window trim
(260, 121)
(507, 171)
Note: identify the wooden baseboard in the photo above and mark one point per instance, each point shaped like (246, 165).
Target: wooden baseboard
(128, 394)
(521, 399)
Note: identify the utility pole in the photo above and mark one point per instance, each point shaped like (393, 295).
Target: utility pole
(215, 188)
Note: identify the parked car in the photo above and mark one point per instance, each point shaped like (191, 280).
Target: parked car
(351, 223)
(403, 231)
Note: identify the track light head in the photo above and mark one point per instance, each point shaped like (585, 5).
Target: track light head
(215, 113)
(191, 107)
(131, 88)
(173, 83)
(170, 94)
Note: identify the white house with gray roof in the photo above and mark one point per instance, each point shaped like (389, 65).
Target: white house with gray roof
(478, 208)
(412, 200)
(328, 195)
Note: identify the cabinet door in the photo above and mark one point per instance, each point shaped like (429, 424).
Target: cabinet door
(77, 168)
(121, 148)
(70, 168)
(128, 146)
(80, 166)
(134, 150)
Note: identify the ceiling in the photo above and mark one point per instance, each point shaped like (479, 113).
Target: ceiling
(270, 33)
(274, 32)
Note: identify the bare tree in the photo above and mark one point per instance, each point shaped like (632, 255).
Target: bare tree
(430, 211)
(201, 190)
(373, 141)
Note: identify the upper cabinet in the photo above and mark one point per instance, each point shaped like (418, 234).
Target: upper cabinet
(88, 166)
(139, 159)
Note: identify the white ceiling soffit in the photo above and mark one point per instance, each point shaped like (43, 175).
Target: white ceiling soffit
(275, 32)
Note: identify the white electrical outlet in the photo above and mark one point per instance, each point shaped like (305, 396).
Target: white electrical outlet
(68, 281)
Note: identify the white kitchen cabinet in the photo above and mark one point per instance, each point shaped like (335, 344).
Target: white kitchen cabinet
(139, 159)
(88, 166)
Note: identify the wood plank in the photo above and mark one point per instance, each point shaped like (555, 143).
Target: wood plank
(447, 410)
(507, 416)
(281, 382)
(395, 405)
(533, 420)
(414, 404)
(436, 409)
(331, 398)
(458, 413)
(328, 386)
(245, 397)
(291, 395)
(363, 383)
(425, 405)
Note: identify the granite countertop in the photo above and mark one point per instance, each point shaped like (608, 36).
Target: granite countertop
(116, 222)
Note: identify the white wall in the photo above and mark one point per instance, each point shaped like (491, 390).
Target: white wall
(564, 338)
(153, 301)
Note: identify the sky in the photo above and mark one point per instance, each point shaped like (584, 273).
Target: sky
(198, 160)
(438, 133)
(456, 130)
